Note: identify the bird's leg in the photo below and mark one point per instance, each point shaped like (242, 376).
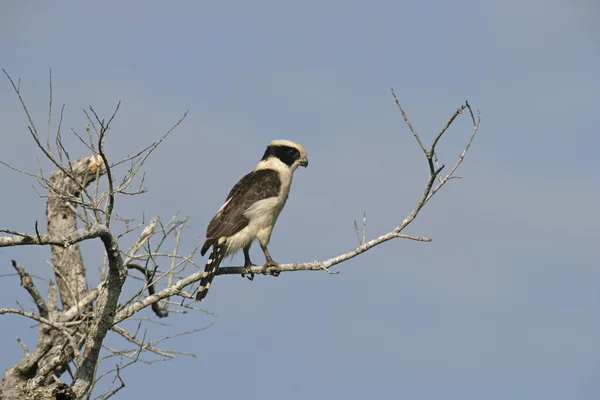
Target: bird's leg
(248, 264)
(270, 267)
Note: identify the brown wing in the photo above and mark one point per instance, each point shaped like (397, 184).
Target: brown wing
(256, 186)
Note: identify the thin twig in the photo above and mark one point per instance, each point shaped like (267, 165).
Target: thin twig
(412, 129)
(357, 233)
(49, 113)
(115, 390)
(23, 346)
(58, 326)
(103, 130)
(141, 343)
(28, 284)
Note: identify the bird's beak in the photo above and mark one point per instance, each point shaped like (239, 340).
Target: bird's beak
(304, 162)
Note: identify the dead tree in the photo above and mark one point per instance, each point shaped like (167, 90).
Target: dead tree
(77, 315)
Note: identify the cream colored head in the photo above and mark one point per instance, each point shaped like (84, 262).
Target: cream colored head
(290, 153)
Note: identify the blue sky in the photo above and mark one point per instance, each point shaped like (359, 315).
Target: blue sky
(502, 304)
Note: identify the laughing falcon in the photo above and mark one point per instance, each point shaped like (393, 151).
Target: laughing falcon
(251, 210)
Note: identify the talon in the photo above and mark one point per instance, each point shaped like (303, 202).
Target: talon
(249, 273)
(271, 268)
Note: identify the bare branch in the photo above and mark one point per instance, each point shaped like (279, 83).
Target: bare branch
(21, 171)
(52, 301)
(364, 238)
(46, 370)
(154, 342)
(364, 230)
(49, 113)
(142, 344)
(161, 312)
(23, 346)
(412, 129)
(28, 284)
(103, 130)
(325, 264)
(106, 304)
(23, 239)
(175, 251)
(458, 111)
(115, 390)
(148, 150)
(36, 137)
(357, 233)
(461, 157)
(58, 326)
(143, 239)
(172, 290)
(76, 310)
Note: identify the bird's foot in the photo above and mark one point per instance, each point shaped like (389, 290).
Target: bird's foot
(272, 268)
(249, 273)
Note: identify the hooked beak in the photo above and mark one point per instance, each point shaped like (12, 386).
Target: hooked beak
(304, 162)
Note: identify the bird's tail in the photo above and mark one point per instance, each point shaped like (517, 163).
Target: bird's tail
(211, 268)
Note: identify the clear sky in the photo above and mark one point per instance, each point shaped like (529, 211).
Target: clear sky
(503, 304)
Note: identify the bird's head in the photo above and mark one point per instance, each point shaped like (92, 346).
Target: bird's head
(290, 153)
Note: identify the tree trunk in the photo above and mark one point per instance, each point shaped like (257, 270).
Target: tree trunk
(36, 375)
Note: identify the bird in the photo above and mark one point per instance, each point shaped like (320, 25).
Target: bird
(251, 210)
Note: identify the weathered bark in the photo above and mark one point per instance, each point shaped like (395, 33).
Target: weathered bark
(67, 261)
(106, 306)
(36, 375)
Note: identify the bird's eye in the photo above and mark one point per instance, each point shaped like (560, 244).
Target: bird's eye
(292, 152)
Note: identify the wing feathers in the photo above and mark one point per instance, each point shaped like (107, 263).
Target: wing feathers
(255, 186)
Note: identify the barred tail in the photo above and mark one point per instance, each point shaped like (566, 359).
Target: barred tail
(211, 268)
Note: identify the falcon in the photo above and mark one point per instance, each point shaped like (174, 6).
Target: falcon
(251, 210)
